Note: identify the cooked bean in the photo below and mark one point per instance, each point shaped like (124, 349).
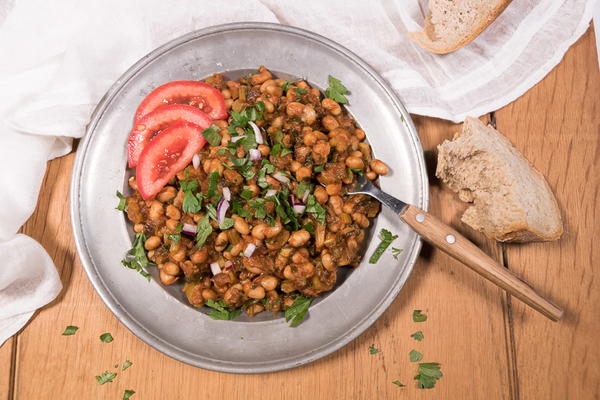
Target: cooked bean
(309, 115)
(379, 167)
(264, 149)
(309, 139)
(332, 106)
(272, 231)
(138, 227)
(355, 162)
(361, 220)
(334, 189)
(199, 256)
(256, 292)
(299, 238)
(336, 203)
(209, 294)
(156, 210)
(167, 279)
(152, 242)
(321, 194)
(263, 76)
(173, 212)
(268, 282)
(329, 123)
(259, 231)
(303, 173)
(167, 193)
(171, 268)
(240, 225)
(327, 261)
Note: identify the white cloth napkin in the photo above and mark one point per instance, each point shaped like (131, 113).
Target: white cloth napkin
(60, 57)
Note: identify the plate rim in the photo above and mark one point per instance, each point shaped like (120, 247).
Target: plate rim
(128, 320)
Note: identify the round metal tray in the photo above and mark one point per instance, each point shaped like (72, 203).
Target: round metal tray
(157, 314)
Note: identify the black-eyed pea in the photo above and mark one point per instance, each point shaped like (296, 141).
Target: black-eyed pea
(329, 123)
(334, 189)
(294, 109)
(199, 256)
(172, 224)
(321, 195)
(379, 167)
(332, 106)
(309, 115)
(327, 260)
(167, 193)
(303, 173)
(355, 162)
(173, 212)
(299, 238)
(152, 242)
(138, 228)
(171, 268)
(167, 279)
(240, 225)
(264, 150)
(371, 175)
(156, 210)
(258, 232)
(256, 292)
(309, 139)
(361, 220)
(336, 203)
(287, 272)
(359, 133)
(262, 76)
(132, 183)
(268, 282)
(209, 294)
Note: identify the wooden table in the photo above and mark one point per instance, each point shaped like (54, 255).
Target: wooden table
(490, 346)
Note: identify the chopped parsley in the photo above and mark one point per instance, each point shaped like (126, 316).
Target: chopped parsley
(299, 92)
(415, 356)
(303, 187)
(128, 393)
(136, 258)
(223, 312)
(285, 85)
(106, 377)
(266, 168)
(396, 252)
(280, 150)
(106, 337)
(373, 350)
(418, 317)
(191, 203)
(398, 383)
(313, 207)
(126, 365)
(70, 330)
(246, 193)
(203, 231)
(122, 206)
(212, 184)
(418, 336)
(297, 310)
(211, 135)
(309, 227)
(428, 375)
(176, 237)
(336, 90)
(226, 224)
(386, 238)
(259, 208)
(319, 168)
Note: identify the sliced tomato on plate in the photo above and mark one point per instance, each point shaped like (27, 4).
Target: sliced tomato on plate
(198, 94)
(167, 154)
(163, 116)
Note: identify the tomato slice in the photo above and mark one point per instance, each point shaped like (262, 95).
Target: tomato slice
(198, 94)
(167, 154)
(143, 131)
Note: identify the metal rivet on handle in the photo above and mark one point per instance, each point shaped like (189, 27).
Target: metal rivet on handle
(450, 239)
(420, 217)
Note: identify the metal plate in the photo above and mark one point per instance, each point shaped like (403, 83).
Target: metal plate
(160, 319)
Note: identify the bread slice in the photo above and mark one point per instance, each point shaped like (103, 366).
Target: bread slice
(512, 201)
(451, 24)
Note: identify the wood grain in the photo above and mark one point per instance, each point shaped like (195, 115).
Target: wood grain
(557, 127)
(6, 367)
(440, 287)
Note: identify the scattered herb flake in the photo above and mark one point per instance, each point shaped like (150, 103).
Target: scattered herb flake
(128, 393)
(126, 365)
(418, 317)
(70, 330)
(336, 90)
(386, 238)
(222, 310)
(122, 206)
(106, 377)
(415, 356)
(373, 350)
(428, 375)
(211, 135)
(398, 383)
(297, 310)
(106, 337)
(396, 252)
(418, 336)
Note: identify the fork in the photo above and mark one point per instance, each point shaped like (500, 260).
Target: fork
(453, 243)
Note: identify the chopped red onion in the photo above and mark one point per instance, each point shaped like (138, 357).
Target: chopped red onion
(299, 209)
(228, 266)
(256, 129)
(249, 250)
(236, 138)
(281, 177)
(196, 161)
(227, 193)
(293, 201)
(222, 209)
(214, 267)
(305, 196)
(271, 192)
(189, 229)
(255, 154)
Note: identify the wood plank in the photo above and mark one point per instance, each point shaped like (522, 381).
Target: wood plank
(465, 329)
(557, 127)
(6, 366)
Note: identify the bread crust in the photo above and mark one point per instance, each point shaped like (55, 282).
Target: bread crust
(417, 37)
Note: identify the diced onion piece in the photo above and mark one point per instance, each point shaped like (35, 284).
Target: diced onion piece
(305, 195)
(281, 177)
(227, 193)
(236, 138)
(222, 209)
(255, 154)
(299, 209)
(196, 161)
(228, 266)
(189, 229)
(271, 192)
(249, 250)
(214, 267)
(256, 129)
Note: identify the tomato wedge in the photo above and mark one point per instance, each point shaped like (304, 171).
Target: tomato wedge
(198, 94)
(163, 116)
(167, 154)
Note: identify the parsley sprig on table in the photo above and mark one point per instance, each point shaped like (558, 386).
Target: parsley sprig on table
(418, 316)
(418, 336)
(106, 337)
(428, 375)
(70, 330)
(136, 257)
(373, 350)
(106, 377)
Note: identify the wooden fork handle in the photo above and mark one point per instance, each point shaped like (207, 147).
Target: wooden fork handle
(450, 241)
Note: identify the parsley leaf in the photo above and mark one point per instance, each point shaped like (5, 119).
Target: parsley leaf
(336, 90)
(191, 204)
(203, 231)
(223, 312)
(299, 91)
(297, 310)
(136, 257)
(106, 377)
(309, 227)
(126, 365)
(418, 317)
(211, 135)
(259, 208)
(373, 350)
(418, 336)
(428, 375)
(415, 356)
(313, 207)
(128, 393)
(396, 252)
(285, 85)
(319, 168)
(226, 224)
(302, 187)
(246, 193)
(266, 168)
(386, 239)
(106, 337)
(122, 206)
(70, 330)
(212, 184)
(398, 383)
